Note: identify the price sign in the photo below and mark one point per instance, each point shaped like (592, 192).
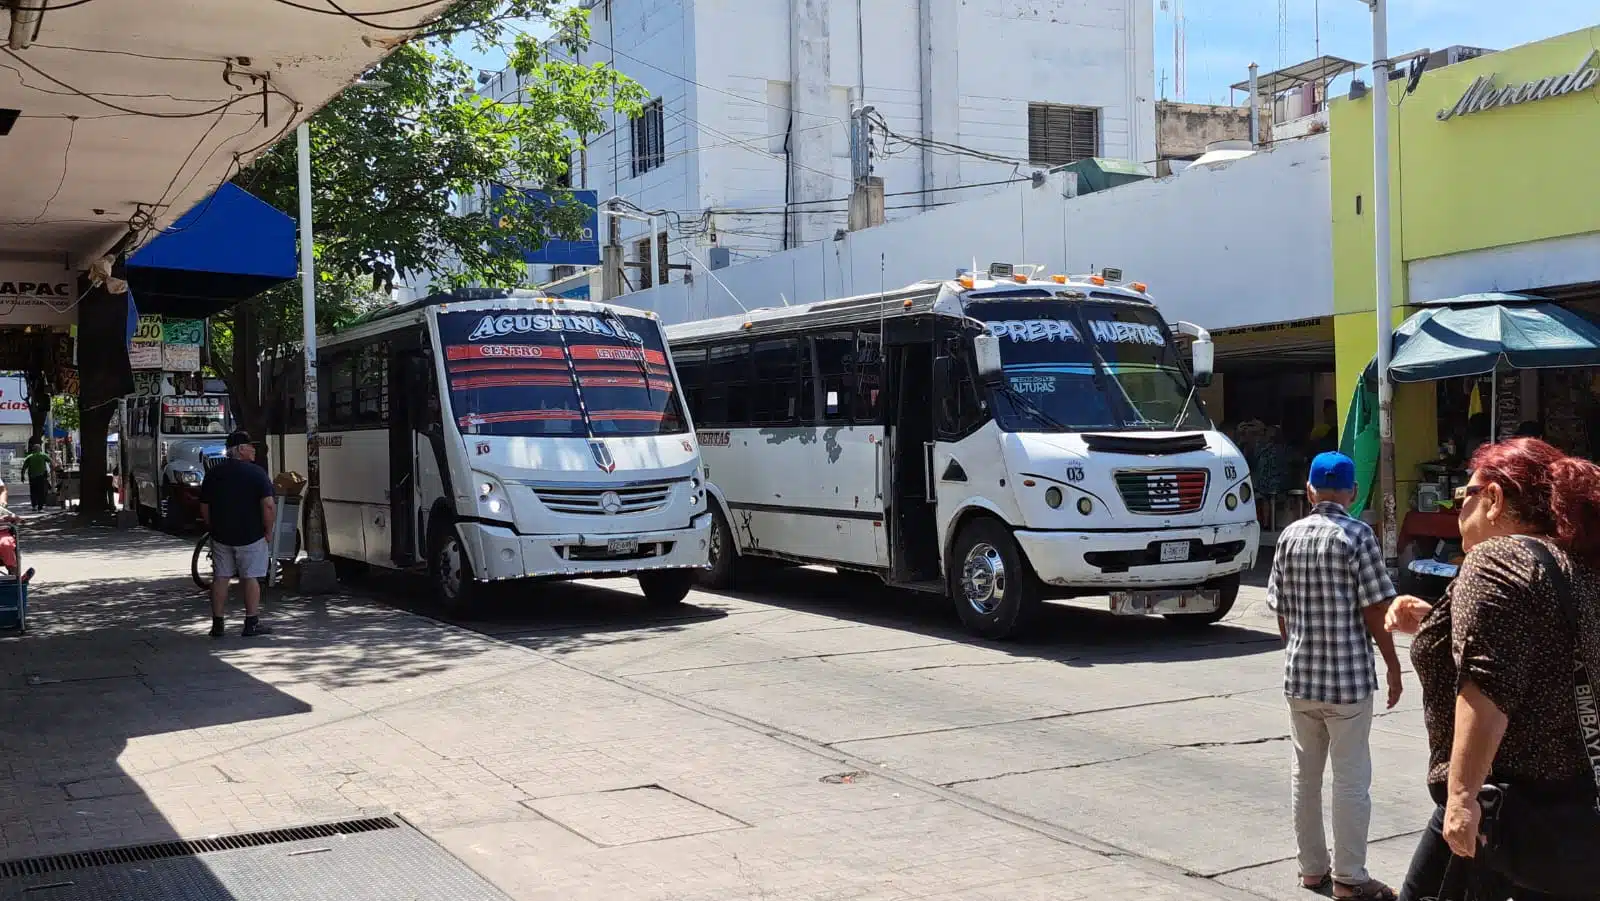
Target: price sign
(182, 332)
(145, 351)
(180, 357)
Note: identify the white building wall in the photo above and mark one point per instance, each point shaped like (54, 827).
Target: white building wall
(1243, 242)
(987, 60)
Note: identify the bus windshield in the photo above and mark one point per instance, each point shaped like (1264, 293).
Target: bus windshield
(207, 415)
(561, 375)
(1087, 366)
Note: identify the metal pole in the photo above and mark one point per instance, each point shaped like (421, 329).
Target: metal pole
(1381, 258)
(316, 535)
(1255, 108)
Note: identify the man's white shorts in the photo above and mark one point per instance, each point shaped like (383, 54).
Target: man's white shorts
(247, 562)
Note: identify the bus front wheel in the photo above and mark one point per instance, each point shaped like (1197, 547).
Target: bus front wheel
(453, 584)
(1228, 588)
(667, 587)
(724, 553)
(995, 591)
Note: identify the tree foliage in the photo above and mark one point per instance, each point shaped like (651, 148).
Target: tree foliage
(390, 158)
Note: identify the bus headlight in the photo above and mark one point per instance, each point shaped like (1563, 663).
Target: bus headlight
(188, 477)
(1052, 496)
(1085, 506)
(1244, 492)
(491, 496)
(1231, 501)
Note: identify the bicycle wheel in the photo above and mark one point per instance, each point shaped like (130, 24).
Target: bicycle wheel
(200, 565)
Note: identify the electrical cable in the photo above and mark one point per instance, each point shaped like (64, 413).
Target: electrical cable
(197, 114)
(340, 11)
(50, 9)
(686, 79)
(66, 159)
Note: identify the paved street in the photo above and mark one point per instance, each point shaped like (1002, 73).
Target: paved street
(802, 741)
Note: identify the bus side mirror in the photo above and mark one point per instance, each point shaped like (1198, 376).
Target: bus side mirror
(1205, 354)
(986, 356)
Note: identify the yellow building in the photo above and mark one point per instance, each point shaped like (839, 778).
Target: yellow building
(1495, 186)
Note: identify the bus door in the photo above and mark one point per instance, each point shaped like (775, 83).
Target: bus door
(913, 537)
(410, 374)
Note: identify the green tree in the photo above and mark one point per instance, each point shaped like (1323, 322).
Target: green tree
(388, 161)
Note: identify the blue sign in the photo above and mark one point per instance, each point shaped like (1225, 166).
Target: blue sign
(557, 252)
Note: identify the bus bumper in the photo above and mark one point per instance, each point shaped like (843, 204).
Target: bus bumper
(1157, 558)
(499, 553)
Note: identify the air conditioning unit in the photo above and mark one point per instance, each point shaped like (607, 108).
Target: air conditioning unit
(1449, 56)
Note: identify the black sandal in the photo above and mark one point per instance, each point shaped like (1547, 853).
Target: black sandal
(1321, 886)
(1371, 890)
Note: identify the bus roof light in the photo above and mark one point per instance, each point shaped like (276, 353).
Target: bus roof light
(1097, 280)
(748, 324)
(907, 304)
(1141, 287)
(1059, 279)
(965, 281)
(1020, 279)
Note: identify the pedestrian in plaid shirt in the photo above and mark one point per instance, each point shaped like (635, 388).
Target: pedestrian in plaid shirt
(1330, 590)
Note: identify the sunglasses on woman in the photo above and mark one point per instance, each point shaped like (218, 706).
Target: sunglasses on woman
(1466, 491)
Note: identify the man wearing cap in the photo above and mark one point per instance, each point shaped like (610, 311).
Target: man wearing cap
(1330, 590)
(236, 501)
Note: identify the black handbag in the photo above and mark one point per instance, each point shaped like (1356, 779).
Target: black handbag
(1543, 839)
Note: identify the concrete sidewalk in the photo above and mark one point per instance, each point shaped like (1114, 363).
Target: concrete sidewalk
(122, 723)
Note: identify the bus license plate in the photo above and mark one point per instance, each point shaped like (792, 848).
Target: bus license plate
(1174, 551)
(621, 547)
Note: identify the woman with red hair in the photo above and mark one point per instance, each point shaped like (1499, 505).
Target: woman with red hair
(1505, 661)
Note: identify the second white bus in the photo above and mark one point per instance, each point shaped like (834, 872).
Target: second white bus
(998, 438)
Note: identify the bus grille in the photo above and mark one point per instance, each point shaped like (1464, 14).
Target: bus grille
(587, 500)
(210, 462)
(1163, 491)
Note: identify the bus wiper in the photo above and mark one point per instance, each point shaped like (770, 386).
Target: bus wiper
(1177, 424)
(1018, 398)
(644, 368)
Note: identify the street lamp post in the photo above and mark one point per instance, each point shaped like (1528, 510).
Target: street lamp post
(1381, 66)
(316, 573)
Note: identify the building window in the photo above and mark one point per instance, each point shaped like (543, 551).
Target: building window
(557, 273)
(1059, 134)
(641, 255)
(649, 138)
(663, 274)
(776, 389)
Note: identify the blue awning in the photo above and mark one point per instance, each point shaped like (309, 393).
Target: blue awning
(1477, 334)
(228, 248)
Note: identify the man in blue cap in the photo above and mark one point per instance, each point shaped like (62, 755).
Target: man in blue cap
(1331, 590)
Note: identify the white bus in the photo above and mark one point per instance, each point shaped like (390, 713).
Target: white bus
(175, 426)
(1000, 439)
(486, 435)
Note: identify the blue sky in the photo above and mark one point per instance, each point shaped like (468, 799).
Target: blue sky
(1225, 36)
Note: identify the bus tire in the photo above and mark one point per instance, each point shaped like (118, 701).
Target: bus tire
(724, 553)
(1229, 586)
(667, 587)
(450, 571)
(169, 512)
(347, 570)
(995, 591)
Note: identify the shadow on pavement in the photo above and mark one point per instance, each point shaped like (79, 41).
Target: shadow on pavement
(1066, 634)
(559, 617)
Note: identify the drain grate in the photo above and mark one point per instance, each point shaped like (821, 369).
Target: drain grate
(57, 863)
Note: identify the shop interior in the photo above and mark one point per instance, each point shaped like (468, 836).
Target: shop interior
(1273, 395)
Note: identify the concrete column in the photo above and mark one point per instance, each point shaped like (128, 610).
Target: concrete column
(810, 147)
(938, 37)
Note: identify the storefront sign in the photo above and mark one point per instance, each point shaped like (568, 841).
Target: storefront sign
(14, 401)
(1482, 95)
(37, 294)
(180, 357)
(145, 351)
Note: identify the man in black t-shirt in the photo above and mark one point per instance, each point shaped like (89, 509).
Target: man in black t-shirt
(236, 501)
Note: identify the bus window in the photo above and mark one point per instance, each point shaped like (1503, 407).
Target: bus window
(869, 377)
(776, 388)
(194, 416)
(692, 373)
(587, 375)
(727, 400)
(835, 353)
